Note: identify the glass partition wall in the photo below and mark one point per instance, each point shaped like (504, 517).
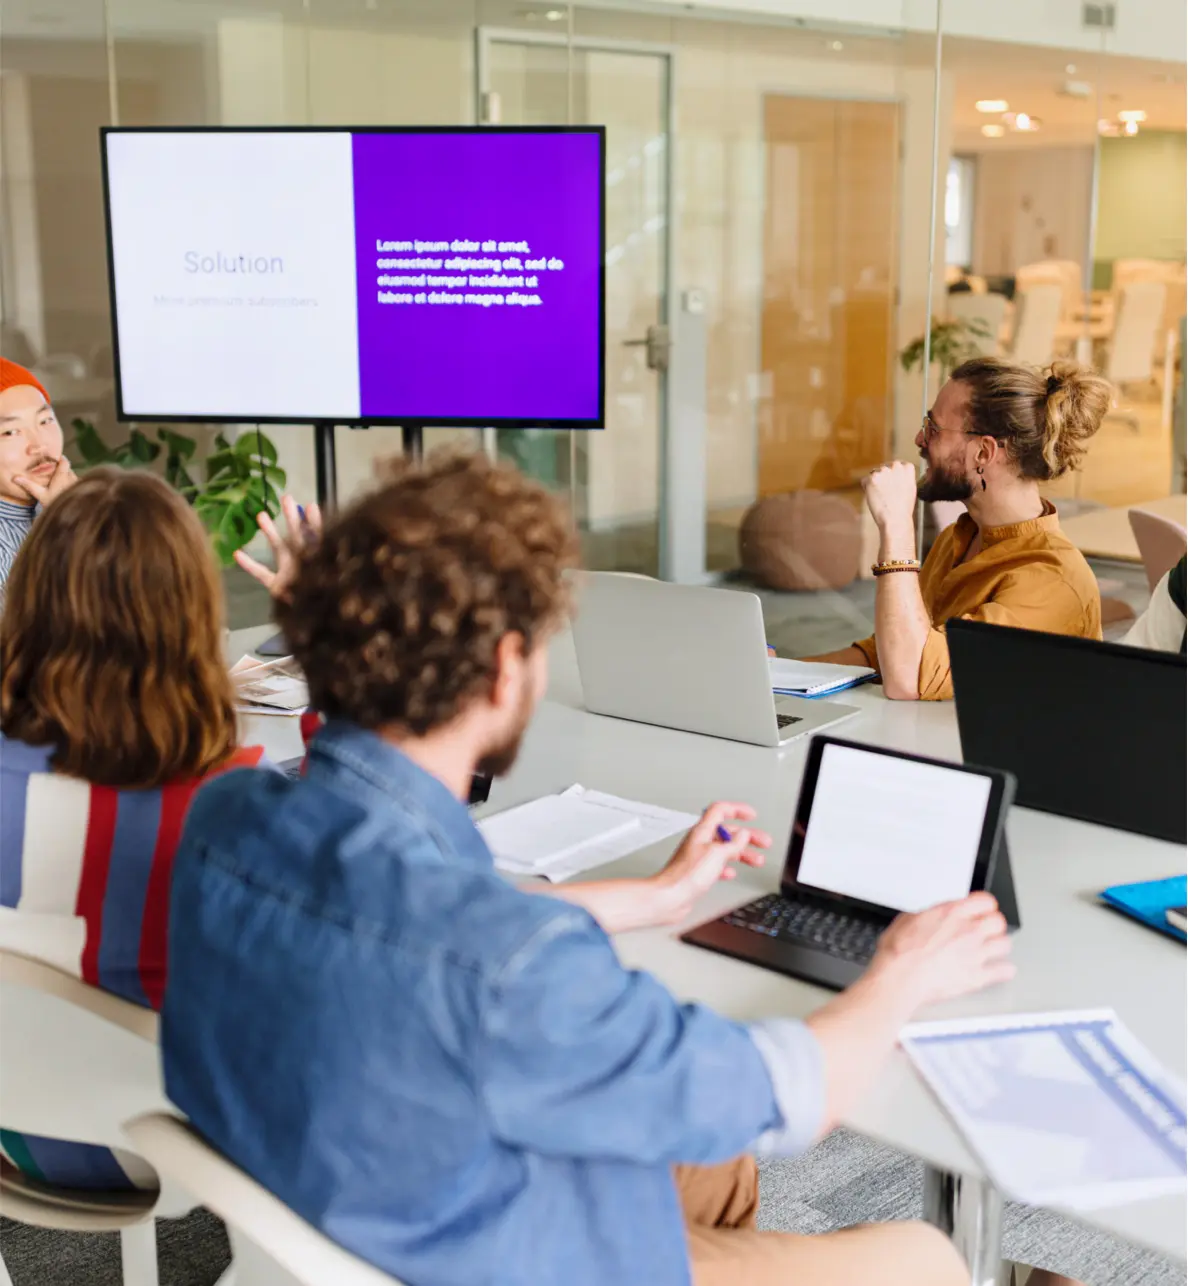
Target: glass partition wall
(794, 203)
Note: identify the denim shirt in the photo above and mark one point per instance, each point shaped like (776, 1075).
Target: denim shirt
(453, 1079)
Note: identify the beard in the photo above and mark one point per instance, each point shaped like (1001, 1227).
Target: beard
(940, 483)
(498, 760)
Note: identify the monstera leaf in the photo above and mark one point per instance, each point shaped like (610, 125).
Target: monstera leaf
(240, 478)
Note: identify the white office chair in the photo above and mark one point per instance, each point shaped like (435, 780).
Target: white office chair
(264, 1231)
(1037, 314)
(1139, 315)
(1127, 270)
(1162, 543)
(987, 309)
(1066, 273)
(76, 1063)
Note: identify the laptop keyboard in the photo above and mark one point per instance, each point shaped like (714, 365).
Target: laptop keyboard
(787, 720)
(808, 925)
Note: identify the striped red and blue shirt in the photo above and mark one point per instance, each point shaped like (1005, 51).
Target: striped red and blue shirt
(84, 887)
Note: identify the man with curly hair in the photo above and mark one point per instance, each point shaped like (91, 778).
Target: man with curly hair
(450, 1076)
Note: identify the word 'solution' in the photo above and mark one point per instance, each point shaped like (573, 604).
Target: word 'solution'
(242, 265)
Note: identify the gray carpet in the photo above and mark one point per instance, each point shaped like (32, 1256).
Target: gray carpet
(847, 1179)
(190, 1252)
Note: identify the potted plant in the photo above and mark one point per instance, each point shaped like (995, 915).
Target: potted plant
(952, 342)
(239, 479)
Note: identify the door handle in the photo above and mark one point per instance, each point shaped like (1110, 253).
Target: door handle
(658, 343)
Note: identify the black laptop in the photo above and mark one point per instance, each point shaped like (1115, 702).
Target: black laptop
(876, 832)
(1090, 730)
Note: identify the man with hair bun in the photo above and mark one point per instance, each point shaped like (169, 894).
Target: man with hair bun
(995, 432)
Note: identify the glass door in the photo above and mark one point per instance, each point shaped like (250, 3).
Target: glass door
(613, 475)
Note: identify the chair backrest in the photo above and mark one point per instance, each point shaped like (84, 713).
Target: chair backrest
(1177, 301)
(1162, 543)
(1139, 315)
(75, 1062)
(989, 310)
(1066, 273)
(1037, 316)
(1127, 270)
(251, 1212)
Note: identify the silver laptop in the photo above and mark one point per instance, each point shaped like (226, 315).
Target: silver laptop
(685, 657)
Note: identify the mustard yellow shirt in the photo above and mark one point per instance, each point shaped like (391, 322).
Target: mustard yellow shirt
(1027, 574)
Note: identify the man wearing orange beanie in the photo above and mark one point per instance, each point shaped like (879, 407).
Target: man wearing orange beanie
(33, 470)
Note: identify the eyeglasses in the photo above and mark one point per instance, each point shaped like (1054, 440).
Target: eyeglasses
(932, 430)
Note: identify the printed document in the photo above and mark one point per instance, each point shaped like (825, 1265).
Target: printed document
(559, 835)
(1064, 1109)
(269, 687)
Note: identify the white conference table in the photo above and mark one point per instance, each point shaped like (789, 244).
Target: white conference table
(1071, 952)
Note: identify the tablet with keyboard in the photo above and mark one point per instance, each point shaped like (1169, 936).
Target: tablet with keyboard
(876, 832)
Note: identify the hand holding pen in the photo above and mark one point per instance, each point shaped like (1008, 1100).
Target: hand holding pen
(710, 853)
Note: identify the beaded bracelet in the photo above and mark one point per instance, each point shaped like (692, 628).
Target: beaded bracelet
(895, 565)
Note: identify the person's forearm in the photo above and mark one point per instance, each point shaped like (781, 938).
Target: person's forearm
(856, 1032)
(619, 905)
(845, 656)
(901, 620)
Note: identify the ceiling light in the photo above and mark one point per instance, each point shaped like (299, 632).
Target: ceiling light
(554, 15)
(992, 106)
(1131, 128)
(835, 45)
(1135, 115)
(1070, 69)
(994, 131)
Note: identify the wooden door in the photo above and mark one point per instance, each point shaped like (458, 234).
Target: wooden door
(830, 279)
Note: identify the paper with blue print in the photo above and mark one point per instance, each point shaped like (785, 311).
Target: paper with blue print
(1066, 1109)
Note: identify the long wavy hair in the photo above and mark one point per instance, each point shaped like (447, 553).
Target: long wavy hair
(111, 645)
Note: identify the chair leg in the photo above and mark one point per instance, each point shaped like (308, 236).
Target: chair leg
(138, 1254)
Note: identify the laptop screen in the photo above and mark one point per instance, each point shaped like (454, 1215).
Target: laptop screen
(893, 832)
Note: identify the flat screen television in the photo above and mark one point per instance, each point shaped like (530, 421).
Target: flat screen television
(412, 276)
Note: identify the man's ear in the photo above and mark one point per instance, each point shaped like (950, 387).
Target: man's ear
(509, 662)
(988, 451)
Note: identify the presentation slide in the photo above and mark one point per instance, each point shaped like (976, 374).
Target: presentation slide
(358, 276)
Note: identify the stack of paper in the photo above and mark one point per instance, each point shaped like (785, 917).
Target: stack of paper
(557, 836)
(814, 678)
(269, 687)
(1065, 1109)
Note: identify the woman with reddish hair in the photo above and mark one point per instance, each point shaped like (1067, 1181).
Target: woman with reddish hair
(115, 706)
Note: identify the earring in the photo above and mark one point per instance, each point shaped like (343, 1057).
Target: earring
(982, 471)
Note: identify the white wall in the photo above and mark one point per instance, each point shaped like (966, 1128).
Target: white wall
(21, 303)
(1031, 204)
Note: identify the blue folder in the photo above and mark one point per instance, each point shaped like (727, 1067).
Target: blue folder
(1149, 901)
